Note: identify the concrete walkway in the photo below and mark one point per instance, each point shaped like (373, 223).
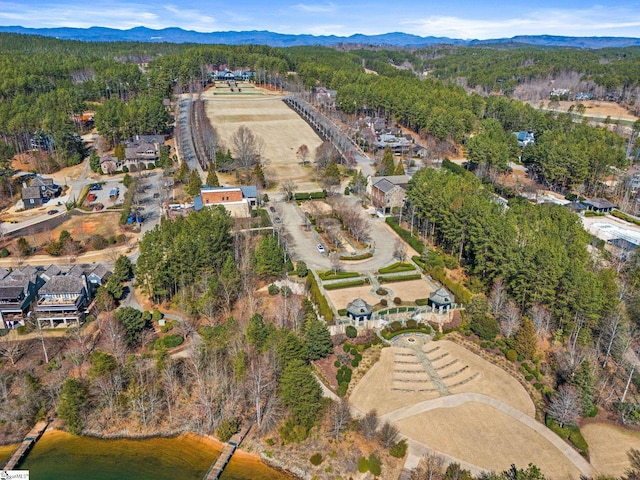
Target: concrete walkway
(456, 400)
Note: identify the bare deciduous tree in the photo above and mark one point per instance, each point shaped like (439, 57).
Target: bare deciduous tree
(303, 153)
(509, 319)
(336, 263)
(11, 349)
(247, 147)
(388, 434)
(430, 467)
(497, 298)
(541, 318)
(288, 187)
(324, 154)
(566, 407)
(400, 250)
(340, 416)
(369, 424)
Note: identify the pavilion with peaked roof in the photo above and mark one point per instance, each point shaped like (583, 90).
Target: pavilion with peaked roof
(359, 310)
(441, 298)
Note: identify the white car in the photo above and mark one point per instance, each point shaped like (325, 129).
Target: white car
(320, 248)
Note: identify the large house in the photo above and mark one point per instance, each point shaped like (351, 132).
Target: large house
(62, 301)
(237, 200)
(143, 149)
(387, 193)
(39, 192)
(525, 138)
(17, 292)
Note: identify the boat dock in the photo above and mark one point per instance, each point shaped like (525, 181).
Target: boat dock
(29, 441)
(218, 467)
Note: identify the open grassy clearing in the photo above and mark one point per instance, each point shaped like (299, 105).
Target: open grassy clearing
(281, 129)
(408, 291)
(481, 435)
(608, 447)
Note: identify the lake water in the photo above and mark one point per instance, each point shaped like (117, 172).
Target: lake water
(59, 455)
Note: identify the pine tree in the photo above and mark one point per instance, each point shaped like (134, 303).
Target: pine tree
(525, 339)
(195, 183)
(319, 343)
(73, 399)
(212, 177)
(585, 383)
(399, 170)
(269, 257)
(258, 175)
(332, 174)
(386, 166)
(256, 331)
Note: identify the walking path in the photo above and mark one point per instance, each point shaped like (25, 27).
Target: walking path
(452, 401)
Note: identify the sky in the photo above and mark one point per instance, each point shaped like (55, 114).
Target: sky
(466, 19)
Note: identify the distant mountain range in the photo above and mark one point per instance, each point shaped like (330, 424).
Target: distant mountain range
(397, 39)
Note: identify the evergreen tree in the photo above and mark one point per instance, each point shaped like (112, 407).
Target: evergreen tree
(256, 332)
(525, 339)
(123, 269)
(584, 381)
(269, 257)
(319, 343)
(399, 168)
(195, 183)
(72, 403)
(301, 393)
(212, 177)
(133, 322)
(94, 161)
(332, 174)
(258, 175)
(386, 166)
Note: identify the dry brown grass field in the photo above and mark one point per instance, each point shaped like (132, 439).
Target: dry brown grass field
(270, 119)
(408, 291)
(608, 447)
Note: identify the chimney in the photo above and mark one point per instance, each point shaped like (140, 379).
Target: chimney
(24, 184)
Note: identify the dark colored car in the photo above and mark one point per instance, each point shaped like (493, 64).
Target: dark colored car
(52, 212)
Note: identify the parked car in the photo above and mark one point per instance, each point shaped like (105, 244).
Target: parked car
(95, 186)
(52, 212)
(273, 210)
(277, 220)
(320, 248)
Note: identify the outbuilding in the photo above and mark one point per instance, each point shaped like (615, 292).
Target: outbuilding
(359, 310)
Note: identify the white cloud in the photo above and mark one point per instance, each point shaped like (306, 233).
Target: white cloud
(315, 7)
(594, 21)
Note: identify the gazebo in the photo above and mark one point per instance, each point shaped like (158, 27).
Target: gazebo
(359, 310)
(441, 299)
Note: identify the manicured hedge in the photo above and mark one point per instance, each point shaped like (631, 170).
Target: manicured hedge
(310, 195)
(459, 291)
(318, 298)
(571, 433)
(330, 275)
(396, 268)
(624, 217)
(353, 283)
(399, 278)
(364, 256)
(415, 242)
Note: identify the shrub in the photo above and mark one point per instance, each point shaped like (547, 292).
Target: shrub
(301, 269)
(363, 465)
(383, 302)
(375, 465)
(415, 243)
(316, 459)
(381, 291)
(227, 428)
(355, 363)
(511, 355)
(411, 323)
(342, 389)
(397, 300)
(351, 331)
(422, 302)
(285, 291)
(528, 378)
(538, 386)
(353, 283)
(397, 267)
(273, 289)
(171, 341)
(337, 364)
(352, 258)
(4, 252)
(319, 299)
(342, 312)
(399, 450)
(157, 315)
(400, 278)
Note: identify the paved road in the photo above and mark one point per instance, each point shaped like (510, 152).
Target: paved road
(459, 399)
(303, 244)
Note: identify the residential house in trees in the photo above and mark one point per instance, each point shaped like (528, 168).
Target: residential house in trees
(32, 197)
(63, 300)
(17, 293)
(387, 193)
(98, 277)
(525, 138)
(143, 149)
(599, 205)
